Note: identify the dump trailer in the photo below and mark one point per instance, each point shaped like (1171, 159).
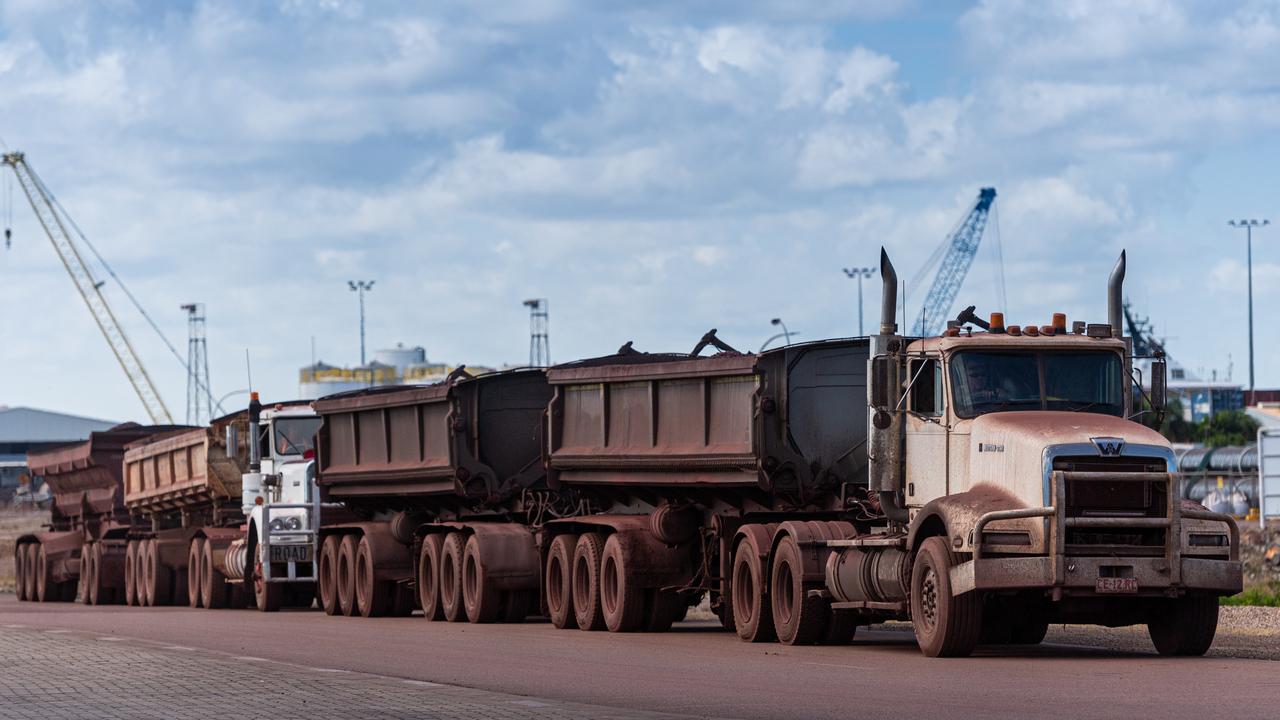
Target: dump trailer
(437, 481)
(85, 542)
(211, 523)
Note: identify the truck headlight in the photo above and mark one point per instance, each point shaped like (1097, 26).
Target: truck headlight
(293, 523)
(276, 524)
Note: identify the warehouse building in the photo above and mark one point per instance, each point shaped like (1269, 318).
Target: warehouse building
(23, 430)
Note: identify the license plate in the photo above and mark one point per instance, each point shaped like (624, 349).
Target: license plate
(290, 553)
(1113, 585)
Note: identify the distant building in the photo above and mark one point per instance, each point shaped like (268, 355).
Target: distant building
(395, 366)
(24, 429)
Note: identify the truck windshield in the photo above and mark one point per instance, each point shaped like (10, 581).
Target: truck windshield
(295, 436)
(986, 381)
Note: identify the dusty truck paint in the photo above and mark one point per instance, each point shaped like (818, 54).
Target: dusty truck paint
(1020, 491)
(200, 537)
(84, 545)
(444, 485)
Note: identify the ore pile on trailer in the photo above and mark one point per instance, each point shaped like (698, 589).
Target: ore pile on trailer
(440, 480)
(86, 540)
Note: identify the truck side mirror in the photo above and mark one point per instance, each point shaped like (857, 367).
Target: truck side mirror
(884, 382)
(1159, 386)
(233, 441)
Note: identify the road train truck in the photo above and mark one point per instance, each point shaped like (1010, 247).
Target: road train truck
(207, 516)
(981, 484)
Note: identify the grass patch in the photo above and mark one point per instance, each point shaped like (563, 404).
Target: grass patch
(1266, 595)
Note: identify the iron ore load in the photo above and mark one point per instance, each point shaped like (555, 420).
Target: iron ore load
(981, 484)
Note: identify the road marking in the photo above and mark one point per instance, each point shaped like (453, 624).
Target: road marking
(839, 665)
(16, 627)
(111, 639)
(249, 658)
(531, 703)
(178, 647)
(422, 683)
(330, 670)
(57, 632)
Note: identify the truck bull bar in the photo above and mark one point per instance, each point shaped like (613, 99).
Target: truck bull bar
(310, 534)
(1051, 571)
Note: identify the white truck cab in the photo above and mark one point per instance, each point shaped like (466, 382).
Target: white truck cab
(281, 504)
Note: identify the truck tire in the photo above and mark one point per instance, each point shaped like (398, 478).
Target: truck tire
(347, 575)
(559, 581)
(140, 573)
(945, 625)
(86, 573)
(587, 610)
(429, 576)
(798, 618)
(621, 597)
(159, 577)
(372, 596)
(195, 554)
(20, 570)
(46, 588)
(267, 597)
(99, 593)
(752, 616)
(131, 573)
(328, 572)
(483, 602)
(451, 577)
(214, 592)
(1184, 626)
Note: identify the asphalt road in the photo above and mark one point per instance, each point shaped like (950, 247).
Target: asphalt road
(698, 670)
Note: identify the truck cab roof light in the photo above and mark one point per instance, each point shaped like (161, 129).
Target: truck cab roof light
(1015, 330)
(997, 323)
(1031, 331)
(1048, 330)
(1060, 323)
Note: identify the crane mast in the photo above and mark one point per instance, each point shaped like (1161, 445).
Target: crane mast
(90, 289)
(962, 248)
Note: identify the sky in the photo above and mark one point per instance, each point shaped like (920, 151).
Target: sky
(653, 169)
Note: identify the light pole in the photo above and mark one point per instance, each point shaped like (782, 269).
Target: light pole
(859, 273)
(785, 333)
(1248, 226)
(360, 287)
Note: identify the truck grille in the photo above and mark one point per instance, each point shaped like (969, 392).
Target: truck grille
(1114, 497)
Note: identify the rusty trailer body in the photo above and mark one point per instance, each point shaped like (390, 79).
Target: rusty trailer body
(414, 466)
(84, 546)
(183, 489)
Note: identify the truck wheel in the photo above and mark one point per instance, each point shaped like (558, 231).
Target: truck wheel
(587, 610)
(86, 572)
(20, 569)
(329, 575)
(347, 575)
(99, 593)
(159, 577)
(214, 592)
(195, 555)
(140, 573)
(267, 596)
(621, 598)
(752, 616)
(429, 577)
(1184, 626)
(482, 601)
(46, 588)
(661, 608)
(371, 593)
(945, 625)
(558, 582)
(798, 618)
(451, 577)
(130, 573)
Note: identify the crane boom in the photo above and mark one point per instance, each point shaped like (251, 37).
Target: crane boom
(962, 248)
(90, 289)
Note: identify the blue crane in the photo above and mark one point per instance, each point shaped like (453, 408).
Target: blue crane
(961, 247)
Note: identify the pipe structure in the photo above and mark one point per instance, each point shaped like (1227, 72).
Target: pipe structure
(888, 295)
(1115, 300)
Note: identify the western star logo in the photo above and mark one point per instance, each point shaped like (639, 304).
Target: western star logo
(1109, 446)
(990, 447)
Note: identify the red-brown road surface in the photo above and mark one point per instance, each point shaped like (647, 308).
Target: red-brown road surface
(698, 670)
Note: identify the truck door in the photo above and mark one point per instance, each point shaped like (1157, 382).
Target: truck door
(926, 432)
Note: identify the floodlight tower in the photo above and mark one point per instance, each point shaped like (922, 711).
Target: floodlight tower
(539, 333)
(199, 396)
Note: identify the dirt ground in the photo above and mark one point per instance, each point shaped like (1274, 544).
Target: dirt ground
(14, 522)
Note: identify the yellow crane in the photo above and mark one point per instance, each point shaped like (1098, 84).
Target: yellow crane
(55, 226)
